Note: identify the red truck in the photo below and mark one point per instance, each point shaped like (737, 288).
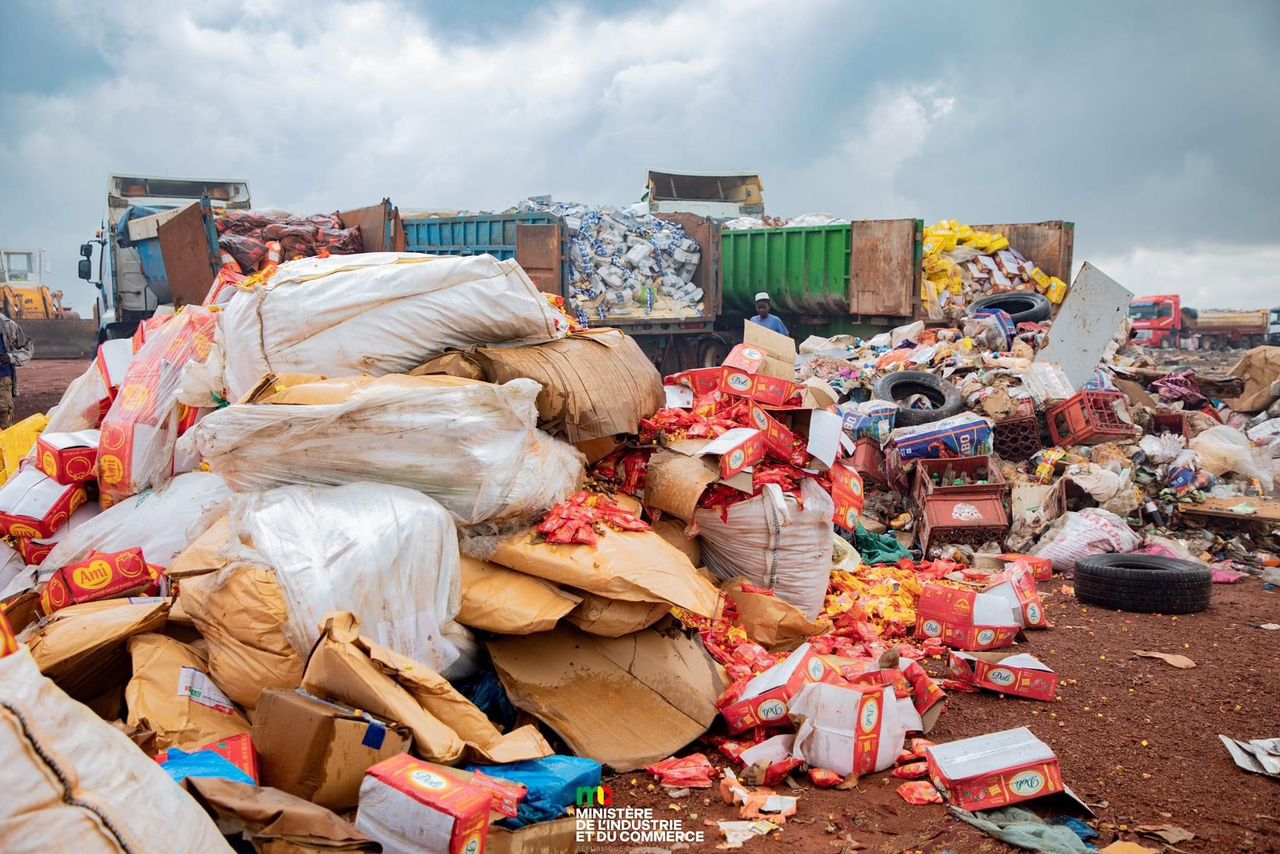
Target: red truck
(1161, 321)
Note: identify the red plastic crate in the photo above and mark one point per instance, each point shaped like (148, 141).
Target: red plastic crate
(971, 519)
(926, 469)
(868, 461)
(1171, 422)
(1091, 417)
(1017, 439)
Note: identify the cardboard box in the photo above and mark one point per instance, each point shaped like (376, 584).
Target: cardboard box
(701, 380)
(34, 505)
(547, 837)
(238, 750)
(102, 575)
(1041, 567)
(848, 495)
(765, 699)
(779, 351)
(736, 450)
(320, 750)
(1018, 673)
(965, 435)
(409, 808)
(68, 457)
(506, 794)
(965, 619)
(995, 770)
(1017, 587)
(778, 438)
(758, 387)
(848, 729)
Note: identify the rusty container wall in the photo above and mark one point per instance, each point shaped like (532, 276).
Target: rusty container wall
(1049, 244)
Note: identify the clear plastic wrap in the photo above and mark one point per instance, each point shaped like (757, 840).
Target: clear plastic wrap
(471, 446)
(387, 554)
(378, 313)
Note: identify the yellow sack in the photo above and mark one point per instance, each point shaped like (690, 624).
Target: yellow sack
(501, 600)
(172, 694)
(17, 441)
(242, 615)
(446, 726)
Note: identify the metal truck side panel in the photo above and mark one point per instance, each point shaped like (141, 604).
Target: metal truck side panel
(1049, 244)
(884, 267)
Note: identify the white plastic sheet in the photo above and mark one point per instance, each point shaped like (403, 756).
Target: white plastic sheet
(387, 554)
(471, 446)
(1225, 449)
(378, 313)
(774, 543)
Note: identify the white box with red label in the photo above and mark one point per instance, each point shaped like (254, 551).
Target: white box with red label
(1018, 674)
(765, 699)
(965, 619)
(848, 729)
(408, 806)
(995, 770)
(1017, 586)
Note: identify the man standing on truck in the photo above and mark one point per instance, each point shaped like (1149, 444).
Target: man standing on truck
(764, 318)
(15, 350)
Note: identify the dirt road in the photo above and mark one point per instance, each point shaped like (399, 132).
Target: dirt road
(42, 382)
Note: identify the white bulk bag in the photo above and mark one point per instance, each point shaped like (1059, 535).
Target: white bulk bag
(387, 554)
(73, 782)
(471, 446)
(378, 313)
(774, 543)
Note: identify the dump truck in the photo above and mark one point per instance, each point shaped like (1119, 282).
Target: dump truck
(159, 244)
(540, 242)
(56, 331)
(853, 278)
(1163, 322)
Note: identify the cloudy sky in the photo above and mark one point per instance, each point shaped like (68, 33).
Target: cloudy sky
(1154, 126)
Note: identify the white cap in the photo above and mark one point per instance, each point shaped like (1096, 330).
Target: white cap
(762, 296)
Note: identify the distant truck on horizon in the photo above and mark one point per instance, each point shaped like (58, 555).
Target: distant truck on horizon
(1162, 322)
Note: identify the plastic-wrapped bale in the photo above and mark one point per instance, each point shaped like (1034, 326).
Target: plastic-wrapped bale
(378, 313)
(472, 446)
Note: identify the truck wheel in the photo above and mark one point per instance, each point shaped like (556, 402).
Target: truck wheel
(900, 385)
(1143, 583)
(1023, 306)
(712, 352)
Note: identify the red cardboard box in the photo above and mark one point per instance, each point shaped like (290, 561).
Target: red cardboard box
(965, 619)
(68, 457)
(701, 380)
(1016, 586)
(100, 576)
(1041, 567)
(35, 550)
(408, 806)
(1019, 674)
(778, 439)
(758, 387)
(746, 358)
(995, 770)
(848, 495)
(34, 505)
(764, 700)
(737, 449)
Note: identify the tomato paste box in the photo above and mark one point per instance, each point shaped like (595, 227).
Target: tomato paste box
(848, 729)
(1018, 674)
(101, 575)
(410, 807)
(1041, 567)
(765, 698)
(737, 449)
(995, 770)
(68, 457)
(965, 619)
(1016, 587)
(34, 505)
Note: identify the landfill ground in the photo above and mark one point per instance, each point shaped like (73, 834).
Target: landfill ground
(1137, 738)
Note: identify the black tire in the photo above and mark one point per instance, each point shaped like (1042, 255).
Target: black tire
(1143, 583)
(1023, 306)
(899, 385)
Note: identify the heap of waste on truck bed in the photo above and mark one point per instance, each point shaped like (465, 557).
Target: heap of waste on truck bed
(386, 549)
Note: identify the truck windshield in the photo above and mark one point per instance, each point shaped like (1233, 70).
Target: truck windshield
(1275, 316)
(1150, 310)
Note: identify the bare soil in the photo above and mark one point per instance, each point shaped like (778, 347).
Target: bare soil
(42, 382)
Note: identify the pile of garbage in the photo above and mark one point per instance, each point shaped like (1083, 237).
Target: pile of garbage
(626, 263)
(962, 264)
(808, 220)
(382, 552)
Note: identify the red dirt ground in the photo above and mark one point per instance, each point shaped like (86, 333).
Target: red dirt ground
(42, 382)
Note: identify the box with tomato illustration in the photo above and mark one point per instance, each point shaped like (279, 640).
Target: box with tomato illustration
(1018, 674)
(965, 619)
(68, 457)
(102, 575)
(34, 505)
(995, 770)
(763, 701)
(409, 806)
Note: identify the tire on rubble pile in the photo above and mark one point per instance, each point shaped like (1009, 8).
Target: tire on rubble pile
(900, 385)
(1023, 306)
(1143, 583)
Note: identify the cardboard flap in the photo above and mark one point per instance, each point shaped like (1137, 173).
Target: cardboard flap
(675, 482)
(625, 702)
(779, 350)
(267, 813)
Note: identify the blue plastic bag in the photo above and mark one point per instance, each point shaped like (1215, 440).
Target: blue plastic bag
(552, 781)
(203, 763)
